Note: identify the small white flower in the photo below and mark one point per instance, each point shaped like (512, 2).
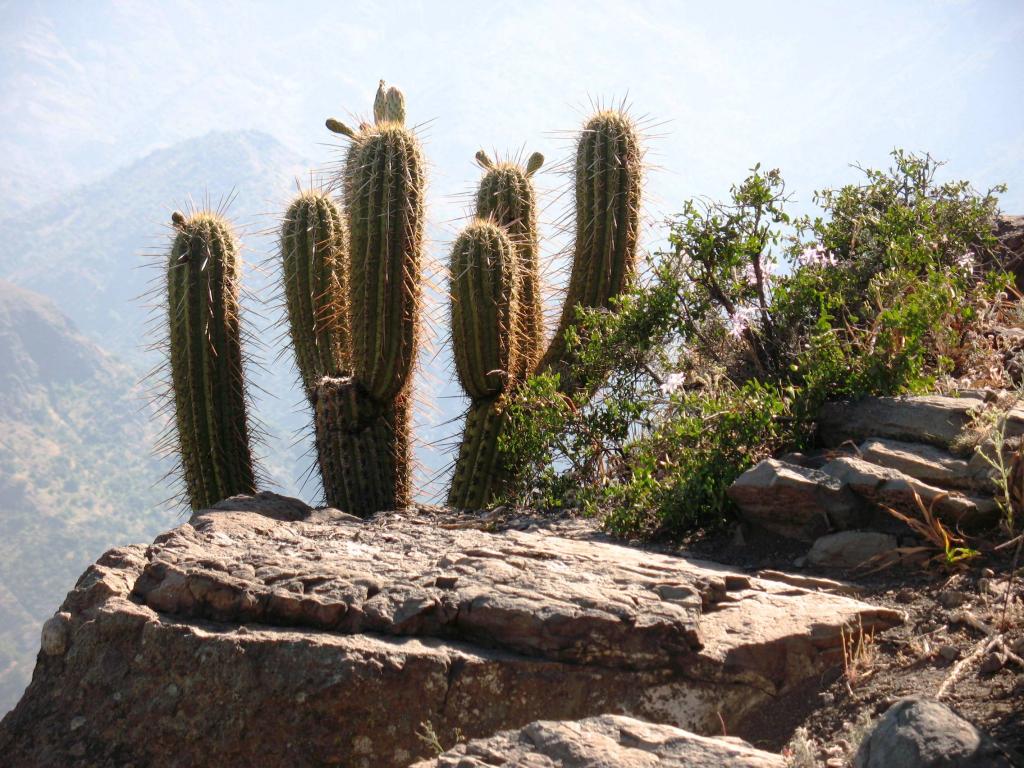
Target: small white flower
(750, 275)
(816, 256)
(739, 320)
(672, 382)
(966, 261)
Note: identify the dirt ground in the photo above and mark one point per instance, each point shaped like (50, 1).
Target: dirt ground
(961, 623)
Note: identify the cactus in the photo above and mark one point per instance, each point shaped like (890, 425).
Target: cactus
(485, 289)
(207, 380)
(608, 176)
(383, 182)
(506, 197)
(314, 246)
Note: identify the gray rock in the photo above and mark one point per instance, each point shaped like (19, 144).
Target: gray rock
(56, 634)
(890, 487)
(849, 549)
(609, 740)
(795, 501)
(935, 420)
(263, 619)
(916, 732)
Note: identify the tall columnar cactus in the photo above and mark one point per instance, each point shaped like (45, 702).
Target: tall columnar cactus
(203, 272)
(608, 175)
(506, 196)
(485, 312)
(314, 255)
(367, 414)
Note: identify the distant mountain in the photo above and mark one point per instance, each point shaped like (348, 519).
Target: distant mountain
(95, 250)
(98, 250)
(77, 474)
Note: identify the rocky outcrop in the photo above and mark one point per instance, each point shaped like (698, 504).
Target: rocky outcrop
(265, 633)
(880, 452)
(609, 740)
(1009, 231)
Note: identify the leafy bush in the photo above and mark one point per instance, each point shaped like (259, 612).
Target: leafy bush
(743, 328)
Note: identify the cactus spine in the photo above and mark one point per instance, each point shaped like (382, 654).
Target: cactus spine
(608, 175)
(208, 387)
(485, 290)
(314, 246)
(362, 421)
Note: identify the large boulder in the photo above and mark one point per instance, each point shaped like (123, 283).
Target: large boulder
(916, 732)
(265, 633)
(609, 740)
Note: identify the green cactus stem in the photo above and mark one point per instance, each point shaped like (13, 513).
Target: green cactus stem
(485, 289)
(384, 185)
(480, 473)
(203, 273)
(314, 244)
(608, 176)
(507, 197)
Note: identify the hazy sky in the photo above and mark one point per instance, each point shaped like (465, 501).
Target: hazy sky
(805, 86)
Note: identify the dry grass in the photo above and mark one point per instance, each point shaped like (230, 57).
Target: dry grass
(859, 655)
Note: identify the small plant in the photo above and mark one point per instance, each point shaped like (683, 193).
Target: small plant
(428, 736)
(952, 549)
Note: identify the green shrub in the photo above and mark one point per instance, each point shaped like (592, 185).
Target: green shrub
(744, 327)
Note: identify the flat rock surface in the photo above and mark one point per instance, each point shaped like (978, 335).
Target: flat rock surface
(583, 602)
(266, 633)
(609, 740)
(923, 462)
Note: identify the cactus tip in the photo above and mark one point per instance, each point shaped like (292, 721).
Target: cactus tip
(534, 163)
(336, 126)
(483, 160)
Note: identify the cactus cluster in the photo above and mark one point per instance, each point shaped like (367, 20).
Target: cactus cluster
(351, 280)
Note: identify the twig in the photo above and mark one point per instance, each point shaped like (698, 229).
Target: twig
(982, 647)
